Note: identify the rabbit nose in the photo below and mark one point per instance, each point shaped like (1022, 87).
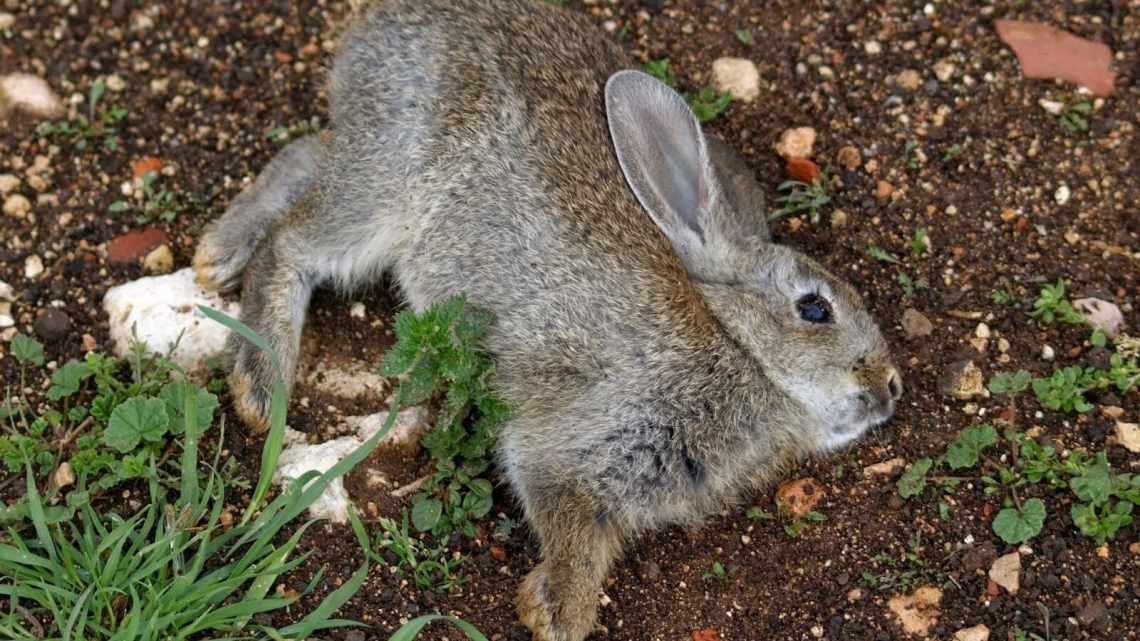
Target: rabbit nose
(894, 384)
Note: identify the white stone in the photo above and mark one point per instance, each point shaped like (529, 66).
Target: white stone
(8, 183)
(6, 319)
(357, 311)
(116, 83)
(17, 206)
(7, 20)
(30, 94)
(33, 267)
(159, 260)
(977, 633)
(299, 457)
(7, 292)
(1128, 436)
(1006, 572)
(944, 70)
(797, 142)
(738, 75)
(1051, 106)
(873, 47)
(1047, 353)
(1101, 314)
(353, 380)
(160, 308)
(1062, 194)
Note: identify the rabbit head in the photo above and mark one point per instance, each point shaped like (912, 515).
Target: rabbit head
(807, 329)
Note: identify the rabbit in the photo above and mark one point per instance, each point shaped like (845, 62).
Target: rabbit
(661, 355)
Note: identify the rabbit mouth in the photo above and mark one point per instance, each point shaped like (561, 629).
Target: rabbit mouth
(864, 418)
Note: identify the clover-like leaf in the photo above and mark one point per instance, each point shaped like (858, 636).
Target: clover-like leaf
(134, 421)
(964, 452)
(1018, 526)
(913, 481)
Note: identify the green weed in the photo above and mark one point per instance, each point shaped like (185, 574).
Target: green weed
(160, 204)
(1052, 305)
(799, 196)
(707, 104)
(97, 124)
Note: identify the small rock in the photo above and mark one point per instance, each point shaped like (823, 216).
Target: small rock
(978, 557)
(63, 476)
(161, 309)
(944, 70)
(1006, 572)
(498, 553)
(850, 158)
(6, 319)
(52, 324)
(977, 633)
(883, 190)
(873, 47)
(963, 380)
(116, 83)
(29, 94)
(917, 612)
(1092, 612)
(33, 267)
(7, 292)
(1045, 51)
(144, 166)
(357, 311)
(1048, 353)
(8, 184)
(1062, 194)
(17, 206)
(854, 595)
(738, 75)
(1102, 551)
(159, 261)
(131, 246)
(1052, 106)
(1128, 436)
(89, 343)
(838, 219)
(982, 330)
(799, 497)
(1101, 314)
(1111, 411)
(796, 143)
(909, 79)
(915, 324)
(887, 469)
(7, 20)
(803, 170)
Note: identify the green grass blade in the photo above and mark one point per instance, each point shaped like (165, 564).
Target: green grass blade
(412, 629)
(319, 618)
(189, 486)
(36, 510)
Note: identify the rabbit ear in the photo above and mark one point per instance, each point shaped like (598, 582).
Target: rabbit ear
(665, 159)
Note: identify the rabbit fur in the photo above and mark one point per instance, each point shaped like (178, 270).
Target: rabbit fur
(649, 336)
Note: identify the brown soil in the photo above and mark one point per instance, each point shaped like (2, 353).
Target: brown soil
(238, 70)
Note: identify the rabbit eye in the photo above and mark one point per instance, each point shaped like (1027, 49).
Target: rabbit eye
(814, 309)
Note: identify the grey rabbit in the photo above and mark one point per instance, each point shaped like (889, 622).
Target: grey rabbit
(661, 355)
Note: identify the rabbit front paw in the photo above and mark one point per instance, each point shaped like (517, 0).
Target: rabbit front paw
(251, 396)
(218, 263)
(533, 610)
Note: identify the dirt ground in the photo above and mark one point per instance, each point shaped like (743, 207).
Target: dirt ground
(1010, 199)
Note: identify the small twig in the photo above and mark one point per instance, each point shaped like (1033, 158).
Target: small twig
(401, 492)
(40, 632)
(74, 432)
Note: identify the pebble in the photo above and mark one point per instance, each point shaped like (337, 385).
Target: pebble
(1006, 572)
(1048, 353)
(8, 183)
(30, 94)
(159, 260)
(915, 324)
(796, 143)
(1128, 436)
(873, 47)
(909, 79)
(63, 476)
(7, 20)
(1051, 106)
(977, 633)
(33, 267)
(357, 311)
(850, 157)
(838, 219)
(1062, 194)
(52, 324)
(116, 83)
(17, 206)
(963, 380)
(886, 469)
(7, 292)
(1101, 314)
(6, 319)
(738, 75)
(131, 246)
(917, 612)
(883, 190)
(800, 496)
(982, 330)
(944, 70)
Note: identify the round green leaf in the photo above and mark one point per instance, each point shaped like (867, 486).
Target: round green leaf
(1018, 526)
(426, 513)
(135, 420)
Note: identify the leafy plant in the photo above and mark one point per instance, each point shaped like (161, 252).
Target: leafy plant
(157, 203)
(719, 572)
(969, 445)
(430, 568)
(911, 285)
(285, 134)
(1052, 305)
(920, 244)
(744, 36)
(410, 630)
(1002, 297)
(1098, 516)
(882, 255)
(172, 570)
(800, 196)
(913, 480)
(796, 527)
(706, 103)
(910, 154)
(1074, 119)
(435, 350)
(1019, 524)
(97, 123)
(1012, 384)
(1065, 389)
